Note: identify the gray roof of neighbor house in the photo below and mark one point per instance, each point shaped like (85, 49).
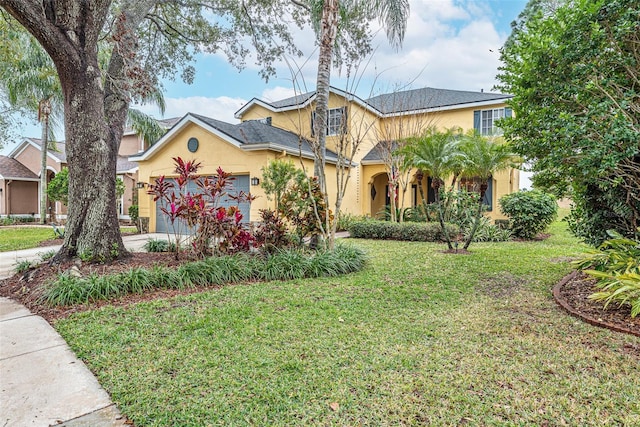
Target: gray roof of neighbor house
(56, 148)
(124, 165)
(255, 132)
(13, 169)
(426, 98)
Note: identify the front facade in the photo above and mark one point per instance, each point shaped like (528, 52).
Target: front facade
(281, 129)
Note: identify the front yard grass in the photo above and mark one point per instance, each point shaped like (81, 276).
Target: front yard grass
(24, 237)
(418, 337)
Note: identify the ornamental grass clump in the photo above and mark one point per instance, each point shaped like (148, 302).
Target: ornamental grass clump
(616, 267)
(288, 264)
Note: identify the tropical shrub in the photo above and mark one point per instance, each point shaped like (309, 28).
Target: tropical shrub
(157, 245)
(271, 233)
(487, 232)
(530, 212)
(410, 231)
(301, 205)
(202, 211)
(616, 267)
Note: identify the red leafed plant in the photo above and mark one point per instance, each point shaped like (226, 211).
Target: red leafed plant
(215, 228)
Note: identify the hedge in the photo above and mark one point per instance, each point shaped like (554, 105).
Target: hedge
(411, 231)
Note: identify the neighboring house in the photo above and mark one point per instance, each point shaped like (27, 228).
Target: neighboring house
(20, 175)
(18, 188)
(272, 130)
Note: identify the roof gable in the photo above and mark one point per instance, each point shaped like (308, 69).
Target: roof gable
(12, 169)
(58, 154)
(247, 135)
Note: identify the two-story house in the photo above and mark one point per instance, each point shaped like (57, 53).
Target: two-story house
(273, 130)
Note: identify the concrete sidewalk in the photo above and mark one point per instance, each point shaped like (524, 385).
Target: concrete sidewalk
(42, 382)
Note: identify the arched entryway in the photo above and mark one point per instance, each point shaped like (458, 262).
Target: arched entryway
(380, 195)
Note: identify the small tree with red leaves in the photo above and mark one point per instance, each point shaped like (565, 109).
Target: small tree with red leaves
(216, 228)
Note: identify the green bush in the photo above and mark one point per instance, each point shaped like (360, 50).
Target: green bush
(411, 231)
(282, 265)
(616, 267)
(159, 245)
(530, 212)
(488, 232)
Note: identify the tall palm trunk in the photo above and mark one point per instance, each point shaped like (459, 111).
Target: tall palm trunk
(44, 110)
(328, 33)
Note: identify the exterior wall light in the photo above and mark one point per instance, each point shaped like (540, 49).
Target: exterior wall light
(255, 181)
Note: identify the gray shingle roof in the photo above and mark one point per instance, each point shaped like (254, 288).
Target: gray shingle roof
(290, 102)
(379, 152)
(419, 99)
(123, 165)
(254, 132)
(13, 169)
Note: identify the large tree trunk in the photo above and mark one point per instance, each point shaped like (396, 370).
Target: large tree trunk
(92, 223)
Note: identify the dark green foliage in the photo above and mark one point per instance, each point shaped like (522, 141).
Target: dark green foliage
(301, 206)
(530, 212)
(487, 232)
(616, 266)
(241, 267)
(411, 231)
(58, 187)
(133, 214)
(574, 74)
(157, 245)
(271, 233)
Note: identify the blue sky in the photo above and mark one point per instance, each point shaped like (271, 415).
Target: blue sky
(449, 44)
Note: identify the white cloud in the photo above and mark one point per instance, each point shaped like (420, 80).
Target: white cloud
(220, 108)
(448, 44)
(277, 93)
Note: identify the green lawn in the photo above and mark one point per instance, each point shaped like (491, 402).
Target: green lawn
(12, 239)
(15, 238)
(417, 338)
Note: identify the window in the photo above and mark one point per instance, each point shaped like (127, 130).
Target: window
(472, 185)
(336, 120)
(484, 121)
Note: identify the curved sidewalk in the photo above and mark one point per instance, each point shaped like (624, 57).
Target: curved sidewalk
(42, 382)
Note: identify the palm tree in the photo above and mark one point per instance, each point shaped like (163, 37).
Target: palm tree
(330, 16)
(30, 81)
(436, 154)
(485, 156)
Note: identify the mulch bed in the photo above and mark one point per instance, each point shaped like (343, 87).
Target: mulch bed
(26, 287)
(571, 293)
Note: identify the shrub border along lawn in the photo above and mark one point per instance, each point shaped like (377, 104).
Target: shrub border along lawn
(283, 265)
(407, 231)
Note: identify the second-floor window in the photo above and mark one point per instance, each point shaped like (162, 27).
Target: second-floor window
(336, 120)
(484, 121)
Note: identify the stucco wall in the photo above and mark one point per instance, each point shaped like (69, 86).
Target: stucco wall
(22, 197)
(31, 157)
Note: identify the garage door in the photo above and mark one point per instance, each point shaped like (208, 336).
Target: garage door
(240, 183)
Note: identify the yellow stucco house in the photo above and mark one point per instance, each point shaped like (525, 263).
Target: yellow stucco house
(276, 130)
